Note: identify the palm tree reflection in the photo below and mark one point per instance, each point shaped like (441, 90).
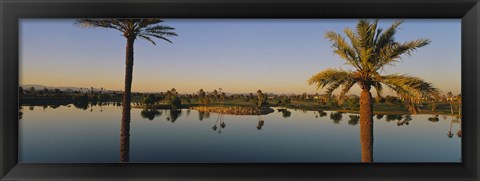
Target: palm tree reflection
(81, 105)
(401, 119)
(174, 115)
(261, 122)
(336, 117)
(450, 134)
(455, 120)
(221, 122)
(433, 119)
(285, 113)
(150, 114)
(202, 115)
(322, 113)
(459, 132)
(20, 113)
(393, 117)
(379, 116)
(405, 121)
(353, 120)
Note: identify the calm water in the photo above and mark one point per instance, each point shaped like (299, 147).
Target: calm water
(69, 134)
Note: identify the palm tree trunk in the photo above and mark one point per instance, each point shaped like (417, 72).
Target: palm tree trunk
(366, 125)
(127, 99)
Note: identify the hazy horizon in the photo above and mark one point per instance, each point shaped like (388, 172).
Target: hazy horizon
(239, 56)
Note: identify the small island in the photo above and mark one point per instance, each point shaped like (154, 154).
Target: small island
(235, 110)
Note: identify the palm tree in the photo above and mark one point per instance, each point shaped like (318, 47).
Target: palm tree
(450, 100)
(459, 101)
(368, 51)
(146, 29)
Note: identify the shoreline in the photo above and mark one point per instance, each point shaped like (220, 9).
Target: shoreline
(395, 111)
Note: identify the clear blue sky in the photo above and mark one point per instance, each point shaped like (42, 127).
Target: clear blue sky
(239, 56)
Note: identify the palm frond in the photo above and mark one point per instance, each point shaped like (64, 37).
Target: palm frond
(100, 23)
(387, 37)
(378, 88)
(158, 31)
(343, 49)
(146, 29)
(363, 41)
(333, 78)
(410, 46)
(147, 38)
(334, 86)
(347, 86)
(377, 35)
(410, 89)
(159, 37)
(366, 32)
(144, 23)
(158, 28)
(392, 53)
(415, 85)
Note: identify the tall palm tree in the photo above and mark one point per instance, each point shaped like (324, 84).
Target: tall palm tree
(368, 50)
(459, 101)
(146, 29)
(450, 100)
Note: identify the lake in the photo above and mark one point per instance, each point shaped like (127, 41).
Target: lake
(67, 134)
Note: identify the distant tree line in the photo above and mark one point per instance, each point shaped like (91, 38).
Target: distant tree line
(172, 99)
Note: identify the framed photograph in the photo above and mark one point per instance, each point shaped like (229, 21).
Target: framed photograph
(247, 90)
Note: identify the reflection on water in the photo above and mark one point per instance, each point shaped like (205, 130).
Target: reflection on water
(285, 112)
(202, 115)
(336, 117)
(174, 115)
(457, 121)
(220, 122)
(81, 105)
(150, 114)
(405, 121)
(261, 122)
(354, 120)
(401, 120)
(434, 118)
(89, 133)
(393, 117)
(322, 113)
(379, 116)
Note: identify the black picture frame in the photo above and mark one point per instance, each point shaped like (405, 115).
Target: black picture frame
(466, 10)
